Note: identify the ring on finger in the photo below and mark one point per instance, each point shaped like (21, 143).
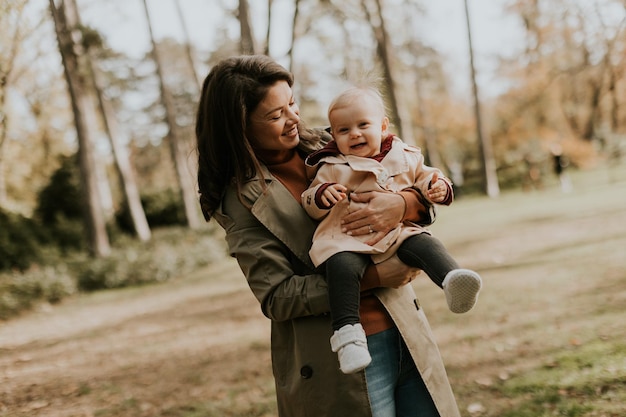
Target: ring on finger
(370, 227)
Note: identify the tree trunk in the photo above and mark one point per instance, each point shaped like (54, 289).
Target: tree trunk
(614, 100)
(589, 125)
(434, 158)
(186, 184)
(4, 123)
(491, 187)
(294, 28)
(7, 68)
(125, 173)
(247, 38)
(268, 32)
(188, 51)
(405, 130)
(3, 181)
(65, 20)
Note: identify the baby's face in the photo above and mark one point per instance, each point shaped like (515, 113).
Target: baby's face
(359, 128)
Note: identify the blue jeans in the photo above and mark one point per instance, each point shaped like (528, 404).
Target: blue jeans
(394, 385)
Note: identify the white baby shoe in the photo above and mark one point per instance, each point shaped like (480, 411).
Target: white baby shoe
(461, 287)
(351, 344)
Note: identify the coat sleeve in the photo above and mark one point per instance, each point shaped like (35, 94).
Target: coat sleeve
(309, 204)
(423, 175)
(285, 286)
(323, 176)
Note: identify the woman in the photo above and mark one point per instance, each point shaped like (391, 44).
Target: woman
(251, 150)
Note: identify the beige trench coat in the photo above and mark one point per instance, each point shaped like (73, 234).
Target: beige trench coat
(270, 240)
(403, 167)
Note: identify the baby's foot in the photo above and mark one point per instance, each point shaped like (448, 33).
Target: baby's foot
(461, 287)
(351, 344)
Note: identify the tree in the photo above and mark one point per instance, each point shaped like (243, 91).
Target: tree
(188, 50)
(13, 31)
(490, 177)
(266, 49)
(245, 26)
(120, 154)
(178, 154)
(294, 27)
(384, 54)
(72, 55)
(574, 62)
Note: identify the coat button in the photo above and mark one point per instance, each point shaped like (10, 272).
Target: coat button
(306, 372)
(382, 178)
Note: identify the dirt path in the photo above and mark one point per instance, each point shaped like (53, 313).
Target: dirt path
(147, 346)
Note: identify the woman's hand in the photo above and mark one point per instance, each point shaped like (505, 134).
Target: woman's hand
(381, 212)
(394, 273)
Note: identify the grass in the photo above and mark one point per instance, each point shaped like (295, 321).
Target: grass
(571, 381)
(547, 337)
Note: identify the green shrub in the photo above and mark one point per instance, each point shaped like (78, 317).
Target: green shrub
(172, 252)
(163, 208)
(19, 291)
(59, 207)
(61, 197)
(19, 242)
(65, 234)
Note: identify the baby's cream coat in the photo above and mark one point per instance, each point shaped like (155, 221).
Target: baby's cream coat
(403, 167)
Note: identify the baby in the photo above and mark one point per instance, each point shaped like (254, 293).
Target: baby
(363, 157)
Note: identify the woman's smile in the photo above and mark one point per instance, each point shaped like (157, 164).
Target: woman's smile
(292, 132)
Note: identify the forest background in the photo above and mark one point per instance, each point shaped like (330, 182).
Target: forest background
(96, 144)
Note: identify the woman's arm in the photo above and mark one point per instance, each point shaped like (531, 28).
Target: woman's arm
(283, 285)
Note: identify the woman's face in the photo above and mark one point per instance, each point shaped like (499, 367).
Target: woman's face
(274, 123)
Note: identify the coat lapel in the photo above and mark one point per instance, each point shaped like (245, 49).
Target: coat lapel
(277, 204)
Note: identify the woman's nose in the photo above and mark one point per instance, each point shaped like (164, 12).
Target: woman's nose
(294, 114)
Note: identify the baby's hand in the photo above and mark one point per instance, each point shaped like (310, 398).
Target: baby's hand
(333, 194)
(438, 189)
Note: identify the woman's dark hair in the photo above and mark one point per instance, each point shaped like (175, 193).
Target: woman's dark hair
(230, 93)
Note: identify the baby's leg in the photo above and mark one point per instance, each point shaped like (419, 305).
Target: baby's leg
(427, 253)
(461, 286)
(343, 273)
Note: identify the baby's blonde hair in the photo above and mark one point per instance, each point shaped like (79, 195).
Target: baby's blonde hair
(348, 96)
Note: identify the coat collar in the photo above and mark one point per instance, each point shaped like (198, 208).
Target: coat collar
(275, 205)
(331, 149)
(396, 161)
